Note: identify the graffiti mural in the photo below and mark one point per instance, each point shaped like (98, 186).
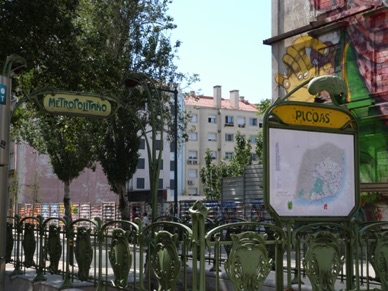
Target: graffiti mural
(358, 53)
(302, 60)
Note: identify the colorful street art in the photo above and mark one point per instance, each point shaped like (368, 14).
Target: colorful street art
(358, 53)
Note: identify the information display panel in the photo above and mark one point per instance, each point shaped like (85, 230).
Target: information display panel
(311, 173)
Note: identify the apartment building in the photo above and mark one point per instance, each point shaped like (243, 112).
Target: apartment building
(214, 124)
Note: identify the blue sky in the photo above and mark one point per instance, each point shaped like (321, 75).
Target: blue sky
(222, 41)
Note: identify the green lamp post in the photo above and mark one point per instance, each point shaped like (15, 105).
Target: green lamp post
(151, 123)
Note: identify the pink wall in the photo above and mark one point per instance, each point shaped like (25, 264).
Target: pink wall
(38, 182)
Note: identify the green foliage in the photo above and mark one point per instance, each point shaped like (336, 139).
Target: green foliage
(259, 146)
(210, 177)
(212, 174)
(264, 105)
(242, 156)
(13, 189)
(91, 46)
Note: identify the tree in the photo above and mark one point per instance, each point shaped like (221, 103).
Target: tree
(210, 178)
(264, 105)
(145, 51)
(259, 146)
(45, 36)
(118, 155)
(242, 156)
(69, 147)
(211, 174)
(91, 46)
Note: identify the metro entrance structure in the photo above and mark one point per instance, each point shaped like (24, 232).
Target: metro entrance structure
(311, 188)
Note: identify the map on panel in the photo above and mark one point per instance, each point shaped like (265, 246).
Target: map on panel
(311, 173)
(322, 173)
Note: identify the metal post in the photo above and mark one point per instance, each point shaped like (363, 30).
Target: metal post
(175, 91)
(5, 100)
(176, 151)
(13, 64)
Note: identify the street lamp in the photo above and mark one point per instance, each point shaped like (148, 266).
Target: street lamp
(175, 92)
(155, 104)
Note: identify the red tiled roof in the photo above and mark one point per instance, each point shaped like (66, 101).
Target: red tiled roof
(206, 101)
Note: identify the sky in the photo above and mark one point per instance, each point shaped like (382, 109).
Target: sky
(222, 41)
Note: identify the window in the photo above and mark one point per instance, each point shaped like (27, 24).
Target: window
(192, 158)
(193, 136)
(160, 184)
(142, 144)
(211, 136)
(172, 147)
(254, 157)
(193, 154)
(172, 184)
(253, 121)
(172, 166)
(192, 191)
(161, 164)
(229, 137)
(241, 121)
(212, 119)
(141, 163)
(194, 118)
(260, 125)
(213, 154)
(252, 139)
(228, 156)
(159, 145)
(193, 173)
(140, 183)
(229, 120)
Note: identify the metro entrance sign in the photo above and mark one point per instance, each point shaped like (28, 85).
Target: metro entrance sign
(76, 104)
(307, 115)
(311, 159)
(64, 103)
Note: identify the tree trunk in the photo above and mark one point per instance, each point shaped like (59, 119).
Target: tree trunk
(123, 203)
(66, 199)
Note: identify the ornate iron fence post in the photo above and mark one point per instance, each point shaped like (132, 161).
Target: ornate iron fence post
(42, 253)
(199, 213)
(69, 241)
(18, 227)
(100, 238)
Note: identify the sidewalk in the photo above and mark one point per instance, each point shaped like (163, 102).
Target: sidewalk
(54, 282)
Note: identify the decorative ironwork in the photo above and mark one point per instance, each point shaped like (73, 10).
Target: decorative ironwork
(166, 262)
(323, 261)
(120, 257)
(83, 252)
(248, 263)
(29, 244)
(9, 243)
(54, 248)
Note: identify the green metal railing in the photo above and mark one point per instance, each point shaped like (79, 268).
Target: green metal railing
(200, 255)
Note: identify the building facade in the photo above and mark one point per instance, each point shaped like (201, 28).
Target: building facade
(349, 39)
(140, 180)
(214, 124)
